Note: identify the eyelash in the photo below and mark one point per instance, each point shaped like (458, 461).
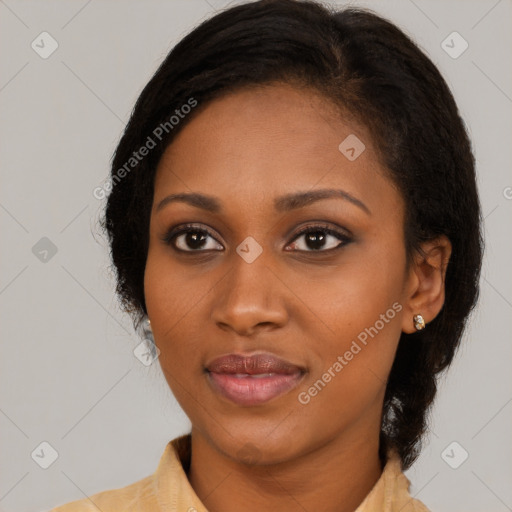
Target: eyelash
(173, 233)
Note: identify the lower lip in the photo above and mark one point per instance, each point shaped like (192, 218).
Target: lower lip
(252, 390)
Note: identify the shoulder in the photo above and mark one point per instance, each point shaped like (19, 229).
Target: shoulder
(146, 494)
(397, 492)
(391, 492)
(130, 498)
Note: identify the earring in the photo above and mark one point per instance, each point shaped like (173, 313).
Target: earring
(147, 333)
(419, 322)
(146, 351)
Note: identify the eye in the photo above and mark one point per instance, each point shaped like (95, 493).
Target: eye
(316, 239)
(189, 238)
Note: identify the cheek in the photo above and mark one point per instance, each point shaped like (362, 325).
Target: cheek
(170, 304)
(158, 286)
(168, 301)
(361, 311)
(350, 371)
(358, 293)
(169, 292)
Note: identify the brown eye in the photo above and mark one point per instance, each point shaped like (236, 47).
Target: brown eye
(320, 239)
(191, 239)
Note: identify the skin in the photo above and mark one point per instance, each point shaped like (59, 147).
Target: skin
(301, 304)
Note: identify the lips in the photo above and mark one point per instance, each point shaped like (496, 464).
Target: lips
(253, 380)
(252, 365)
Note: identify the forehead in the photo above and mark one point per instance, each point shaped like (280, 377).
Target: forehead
(269, 141)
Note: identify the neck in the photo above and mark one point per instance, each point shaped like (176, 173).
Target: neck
(335, 477)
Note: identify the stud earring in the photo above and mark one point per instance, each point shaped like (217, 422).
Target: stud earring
(419, 322)
(146, 329)
(146, 334)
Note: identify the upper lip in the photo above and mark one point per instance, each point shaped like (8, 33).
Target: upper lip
(253, 364)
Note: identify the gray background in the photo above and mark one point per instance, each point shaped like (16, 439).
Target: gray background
(68, 373)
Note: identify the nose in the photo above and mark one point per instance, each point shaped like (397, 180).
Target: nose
(249, 298)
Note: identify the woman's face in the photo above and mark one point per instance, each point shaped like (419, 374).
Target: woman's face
(245, 282)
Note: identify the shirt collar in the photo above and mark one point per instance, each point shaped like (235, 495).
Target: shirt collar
(174, 492)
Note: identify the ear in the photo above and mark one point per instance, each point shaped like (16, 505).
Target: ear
(425, 291)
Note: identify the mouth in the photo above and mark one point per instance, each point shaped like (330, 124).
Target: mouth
(253, 380)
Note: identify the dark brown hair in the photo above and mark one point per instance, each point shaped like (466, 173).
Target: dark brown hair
(369, 68)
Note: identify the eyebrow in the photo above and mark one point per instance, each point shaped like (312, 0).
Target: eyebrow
(281, 204)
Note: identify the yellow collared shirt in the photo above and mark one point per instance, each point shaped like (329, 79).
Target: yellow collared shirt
(168, 489)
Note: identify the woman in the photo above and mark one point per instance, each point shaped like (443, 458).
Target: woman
(282, 217)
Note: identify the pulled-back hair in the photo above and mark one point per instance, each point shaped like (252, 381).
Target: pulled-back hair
(371, 70)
